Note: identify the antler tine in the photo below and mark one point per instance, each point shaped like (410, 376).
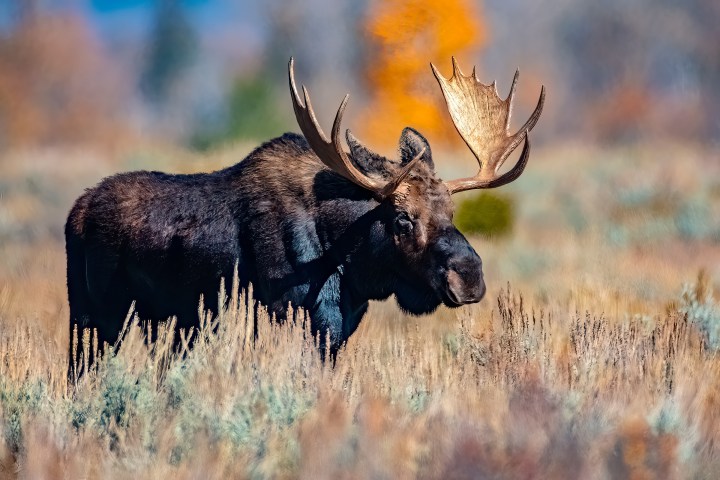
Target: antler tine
(457, 72)
(335, 132)
(511, 96)
(311, 113)
(536, 113)
(522, 133)
(482, 119)
(330, 151)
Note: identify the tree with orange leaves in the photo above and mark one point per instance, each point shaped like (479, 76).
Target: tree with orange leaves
(405, 36)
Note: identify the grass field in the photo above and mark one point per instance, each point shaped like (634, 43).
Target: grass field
(594, 354)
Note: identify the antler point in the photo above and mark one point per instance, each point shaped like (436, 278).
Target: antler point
(293, 86)
(456, 68)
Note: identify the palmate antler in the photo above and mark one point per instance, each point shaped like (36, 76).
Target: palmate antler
(483, 120)
(331, 152)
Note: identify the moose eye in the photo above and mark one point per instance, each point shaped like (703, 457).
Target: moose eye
(403, 224)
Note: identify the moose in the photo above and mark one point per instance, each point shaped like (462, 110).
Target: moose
(304, 221)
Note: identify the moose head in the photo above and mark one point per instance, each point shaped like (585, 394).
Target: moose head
(433, 262)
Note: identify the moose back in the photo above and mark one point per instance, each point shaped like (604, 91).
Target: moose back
(304, 221)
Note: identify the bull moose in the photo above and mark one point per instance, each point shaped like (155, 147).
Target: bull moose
(304, 221)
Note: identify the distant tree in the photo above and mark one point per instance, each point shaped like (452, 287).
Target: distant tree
(56, 83)
(171, 48)
(252, 114)
(403, 37)
(607, 56)
(642, 69)
(322, 36)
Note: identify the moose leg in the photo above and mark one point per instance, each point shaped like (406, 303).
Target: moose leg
(86, 312)
(79, 300)
(97, 299)
(326, 316)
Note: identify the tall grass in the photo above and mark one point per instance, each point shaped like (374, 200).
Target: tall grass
(516, 392)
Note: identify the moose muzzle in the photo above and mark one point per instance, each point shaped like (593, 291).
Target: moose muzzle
(465, 283)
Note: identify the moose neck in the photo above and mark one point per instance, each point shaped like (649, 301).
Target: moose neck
(357, 243)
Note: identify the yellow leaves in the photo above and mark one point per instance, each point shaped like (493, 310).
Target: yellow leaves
(406, 35)
(452, 24)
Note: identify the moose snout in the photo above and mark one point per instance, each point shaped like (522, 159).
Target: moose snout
(465, 283)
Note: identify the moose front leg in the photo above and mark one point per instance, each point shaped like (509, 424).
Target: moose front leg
(326, 316)
(335, 316)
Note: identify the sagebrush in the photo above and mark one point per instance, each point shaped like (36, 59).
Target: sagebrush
(516, 392)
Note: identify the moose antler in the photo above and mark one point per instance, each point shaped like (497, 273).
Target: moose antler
(482, 119)
(331, 152)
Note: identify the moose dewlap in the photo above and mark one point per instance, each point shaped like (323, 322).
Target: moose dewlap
(304, 221)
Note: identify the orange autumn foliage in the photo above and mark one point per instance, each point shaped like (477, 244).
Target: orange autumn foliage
(405, 36)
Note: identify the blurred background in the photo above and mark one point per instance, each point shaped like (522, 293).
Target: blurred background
(205, 72)
(621, 197)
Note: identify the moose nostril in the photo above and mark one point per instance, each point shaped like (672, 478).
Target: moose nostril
(455, 283)
(466, 288)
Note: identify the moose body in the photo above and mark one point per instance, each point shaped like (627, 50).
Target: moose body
(306, 223)
(301, 234)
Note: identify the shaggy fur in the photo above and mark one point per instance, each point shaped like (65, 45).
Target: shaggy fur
(301, 234)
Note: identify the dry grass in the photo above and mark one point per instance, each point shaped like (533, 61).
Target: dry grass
(603, 368)
(520, 393)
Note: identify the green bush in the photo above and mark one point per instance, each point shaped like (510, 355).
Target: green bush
(487, 214)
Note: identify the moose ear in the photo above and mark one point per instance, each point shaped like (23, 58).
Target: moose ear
(367, 160)
(412, 143)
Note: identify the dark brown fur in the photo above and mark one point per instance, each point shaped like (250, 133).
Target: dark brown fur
(301, 234)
